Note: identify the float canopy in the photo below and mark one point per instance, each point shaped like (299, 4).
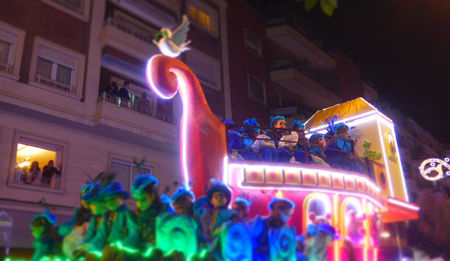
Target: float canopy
(345, 110)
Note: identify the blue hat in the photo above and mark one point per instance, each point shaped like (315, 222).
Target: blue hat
(312, 229)
(219, 186)
(252, 122)
(228, 121)
(340, 125)
(165, 199)
(142, 181)
(330, 230)
(114, 189)
(243, 200)
(276, 118)
(85, 189)
(50, 218)
(93, 194)
(180, 192)
(276, 200)
(298, 123)
(313, 136)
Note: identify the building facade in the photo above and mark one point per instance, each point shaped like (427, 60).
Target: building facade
(56, 59)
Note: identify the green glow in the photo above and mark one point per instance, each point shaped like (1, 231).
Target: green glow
(170, 252)
(124, 248)
(149, 251)
(97, 254)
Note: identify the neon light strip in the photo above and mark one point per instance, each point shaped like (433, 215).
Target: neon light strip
(405, 189)
(150, 80)
(182, 85)
(315, 190)
(299, 169)
(403, 204)
(386, 163)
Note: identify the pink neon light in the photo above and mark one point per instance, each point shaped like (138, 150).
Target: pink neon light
(148, 74)
(376, 202)
(403, 204)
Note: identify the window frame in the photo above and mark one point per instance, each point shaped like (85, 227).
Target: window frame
(264, 89)
(194, 54)
(84, 16)
(17, 50)
(78, 72)
(246, 30)
(214, 17)
(153, 166)
(36, 140)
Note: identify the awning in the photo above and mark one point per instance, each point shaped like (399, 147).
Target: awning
(396, 210)
(345, 110)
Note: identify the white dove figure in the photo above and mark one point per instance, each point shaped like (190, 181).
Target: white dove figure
(172, 44)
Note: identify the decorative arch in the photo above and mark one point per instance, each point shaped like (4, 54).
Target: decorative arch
(349, 203)
(318, 199)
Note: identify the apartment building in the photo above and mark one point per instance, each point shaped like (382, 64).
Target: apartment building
(281, 65)
(56, 58)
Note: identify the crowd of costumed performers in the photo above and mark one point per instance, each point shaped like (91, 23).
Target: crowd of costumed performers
(334, 149)
(178, 228)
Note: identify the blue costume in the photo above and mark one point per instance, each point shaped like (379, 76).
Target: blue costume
(48, 245)
(277, 154)
(316, 150)
(212, 217)
(234, 144)
(340, 159)
(248, 153)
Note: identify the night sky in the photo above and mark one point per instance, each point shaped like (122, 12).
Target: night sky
(406, 45)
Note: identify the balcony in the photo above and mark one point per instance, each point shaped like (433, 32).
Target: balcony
(54, 84)
(137, 108)
(321, 91)
(73, 5)
(6, 68)
(129, 37)
(295, 34)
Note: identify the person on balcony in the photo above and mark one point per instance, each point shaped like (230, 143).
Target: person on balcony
(124, 95)
(283, 139)
(339, 156)
(34, 175)
(50, 172)
(250, 134)
(110, 92)
(144, 104)
(235, 144)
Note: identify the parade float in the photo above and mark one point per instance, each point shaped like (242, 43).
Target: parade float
(357, 203)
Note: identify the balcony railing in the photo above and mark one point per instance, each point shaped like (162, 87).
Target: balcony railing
(6, 68)
(279, 13)
(137, 107)
(136, 31)
(342, 159)
(74, 5)
(327, 83)
(22, 178)
(55, 84)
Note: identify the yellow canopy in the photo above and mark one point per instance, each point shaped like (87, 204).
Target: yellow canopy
(344, 111)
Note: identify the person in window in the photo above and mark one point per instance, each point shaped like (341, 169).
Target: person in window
(49, 172)
(124, 95)
(144, 104)
(35, 174)
(111, 91)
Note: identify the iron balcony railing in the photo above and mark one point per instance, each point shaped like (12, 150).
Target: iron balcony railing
(135, 106)
(136, 31)
(6, 67)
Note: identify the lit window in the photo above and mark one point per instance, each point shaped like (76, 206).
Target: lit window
(11, 44)
(203, 16)
(31, 159)
(252, 42)
(126, 172)
(256, 90)
(57, 67)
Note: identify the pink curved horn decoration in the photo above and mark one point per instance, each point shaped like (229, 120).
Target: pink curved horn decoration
(202, 135)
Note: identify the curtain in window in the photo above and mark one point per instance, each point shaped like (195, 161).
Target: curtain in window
(204, 19)
(4, 51)
(64, 74)
(44, 67)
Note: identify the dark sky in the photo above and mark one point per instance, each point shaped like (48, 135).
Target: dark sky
(406, 45)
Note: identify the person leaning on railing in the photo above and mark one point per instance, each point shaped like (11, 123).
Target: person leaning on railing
(49, 172)
(34, 174)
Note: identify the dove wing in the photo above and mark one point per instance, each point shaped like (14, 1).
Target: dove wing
(179, 35)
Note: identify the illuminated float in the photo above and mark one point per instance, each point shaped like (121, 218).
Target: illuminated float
(357, 204)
